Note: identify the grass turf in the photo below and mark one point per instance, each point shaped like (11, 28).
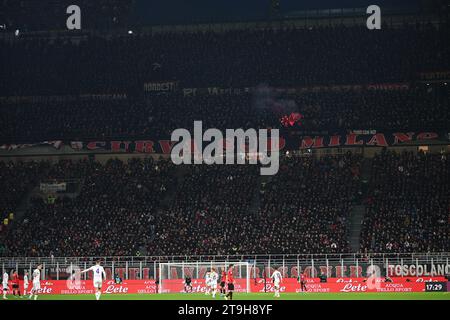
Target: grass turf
(254, 296)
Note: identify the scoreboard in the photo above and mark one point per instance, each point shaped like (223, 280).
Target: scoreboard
(435, 286)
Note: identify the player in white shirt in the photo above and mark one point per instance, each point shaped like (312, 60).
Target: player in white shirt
(5, 284)
(208, 282)
(25, 283)
(36, 282)
(214, 278)
(99, 275)
(277, 278)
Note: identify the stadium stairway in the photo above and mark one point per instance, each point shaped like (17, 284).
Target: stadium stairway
(356, 218)
(34, 191)
(366, 168)
(359, 209)
(24, 203)
(23, 206)
(256, 199)
(167, 201)
(169, 197)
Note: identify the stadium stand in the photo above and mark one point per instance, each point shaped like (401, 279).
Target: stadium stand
(417, 108)
(152, 207)
(111, 215)
(210, 212)
(29, 15)
(17, 178)
(306, 205)
(323, 55)
(408, 204)
(304, 208)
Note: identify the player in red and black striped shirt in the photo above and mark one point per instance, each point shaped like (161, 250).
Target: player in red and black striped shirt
(223, 281)
(302, 280)
(15, 284)
(230, 282)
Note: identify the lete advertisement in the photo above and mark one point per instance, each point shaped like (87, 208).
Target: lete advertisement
(344, 285)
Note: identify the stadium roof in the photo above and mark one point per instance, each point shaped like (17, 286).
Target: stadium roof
(30, 15)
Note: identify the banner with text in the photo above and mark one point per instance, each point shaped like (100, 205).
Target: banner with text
(363, 138)
(343, 285)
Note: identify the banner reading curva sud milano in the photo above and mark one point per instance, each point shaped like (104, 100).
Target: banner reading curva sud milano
(343, 285)
(286, 142)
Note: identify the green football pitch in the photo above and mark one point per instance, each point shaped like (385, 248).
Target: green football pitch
(253, 296)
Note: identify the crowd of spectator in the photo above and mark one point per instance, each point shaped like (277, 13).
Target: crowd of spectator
(156, 116)
(112, 215)
(305, 207)
(339, 55)
(210, 214)
(235, 58)
(145, 206)
(417, 108)
(216, 210)
(408, 208)
(30, 15)
(16, 180)
(420, 107)
(149, 206)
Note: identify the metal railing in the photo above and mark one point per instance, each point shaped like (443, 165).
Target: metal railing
(235, 257)
(335, 265)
